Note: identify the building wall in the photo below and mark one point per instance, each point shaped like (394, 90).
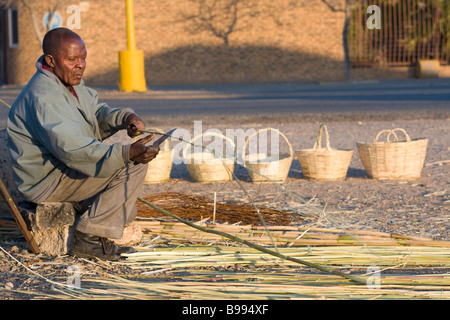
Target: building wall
(272, 42)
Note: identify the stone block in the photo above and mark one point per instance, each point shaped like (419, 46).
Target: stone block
(50, 215)
(55, 241)
(51, 224)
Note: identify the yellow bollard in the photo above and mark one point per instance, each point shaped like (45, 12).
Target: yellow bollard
(131, 62)
(131, 42)
(131, 65)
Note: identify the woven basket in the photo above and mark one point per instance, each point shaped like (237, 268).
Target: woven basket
(205, 167)
(393, 160)
(159, 168)
(263, 168)
(324, 163)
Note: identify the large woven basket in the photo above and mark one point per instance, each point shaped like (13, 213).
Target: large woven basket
(264, 168)
(204, 166)
(393, 160)
(159, 168)
(324, 163)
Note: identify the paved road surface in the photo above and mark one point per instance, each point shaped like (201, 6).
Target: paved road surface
(389, 99)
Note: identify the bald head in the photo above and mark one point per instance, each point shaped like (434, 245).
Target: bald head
(65, 55)
(56, 39)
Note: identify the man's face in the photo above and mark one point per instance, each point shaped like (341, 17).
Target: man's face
(70, 62)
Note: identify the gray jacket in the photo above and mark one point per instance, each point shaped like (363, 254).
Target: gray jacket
(50, 130)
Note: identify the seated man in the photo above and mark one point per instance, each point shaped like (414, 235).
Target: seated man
(55, 132)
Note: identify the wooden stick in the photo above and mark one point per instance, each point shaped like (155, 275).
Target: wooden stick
(19, 219)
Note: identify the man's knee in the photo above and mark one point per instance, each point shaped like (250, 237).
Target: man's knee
(138, 169)
(133, 172)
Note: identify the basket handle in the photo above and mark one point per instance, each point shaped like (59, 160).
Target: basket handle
(318, 144)
(385, 131)
(213, 134)
(408, 139)
(291, 152)
(392, 132)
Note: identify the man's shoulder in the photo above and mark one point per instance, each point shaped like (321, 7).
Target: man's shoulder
(40, 87)
(44, 83)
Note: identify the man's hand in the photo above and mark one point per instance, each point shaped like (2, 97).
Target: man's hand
(134, 125)
(141, 153)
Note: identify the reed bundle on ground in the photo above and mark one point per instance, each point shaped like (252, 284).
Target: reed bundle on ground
(195, 207)
(236, 272)
(284, 236)
(339, 256)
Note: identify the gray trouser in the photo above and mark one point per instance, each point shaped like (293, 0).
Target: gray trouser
(108, 204)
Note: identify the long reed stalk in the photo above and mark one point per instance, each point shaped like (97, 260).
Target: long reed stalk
(254, 246)
(7, 105)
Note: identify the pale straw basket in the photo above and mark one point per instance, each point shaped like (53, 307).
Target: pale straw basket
(393, 160)
(264, 168)
(159, 168)
(324, 163)
(205, 166)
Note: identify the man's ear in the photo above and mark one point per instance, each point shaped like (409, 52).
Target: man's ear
(50, 60)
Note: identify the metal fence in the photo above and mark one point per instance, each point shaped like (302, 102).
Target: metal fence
(410, 30)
